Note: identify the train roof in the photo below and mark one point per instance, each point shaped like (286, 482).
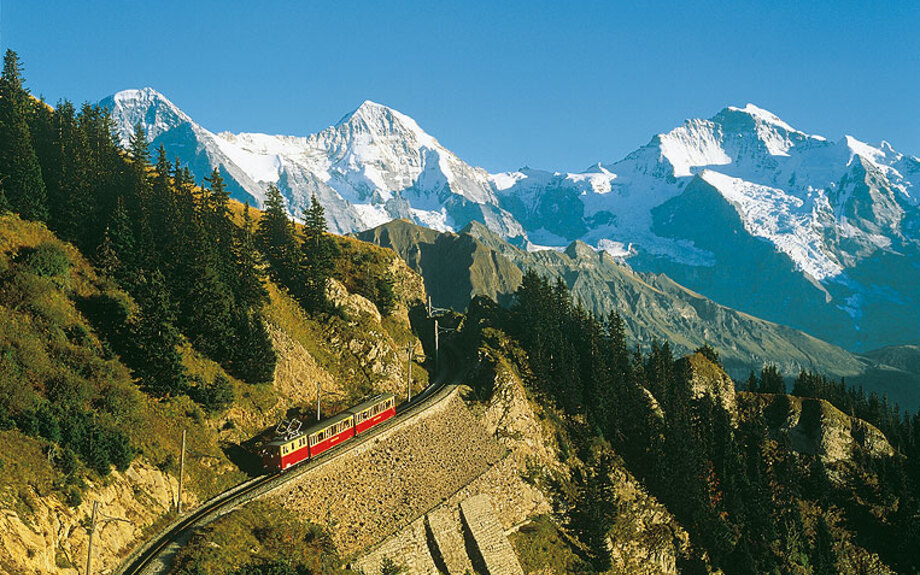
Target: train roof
(370, 402)
(321, 425)
(286, 440)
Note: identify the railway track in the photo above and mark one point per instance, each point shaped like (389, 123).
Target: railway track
(148, 558)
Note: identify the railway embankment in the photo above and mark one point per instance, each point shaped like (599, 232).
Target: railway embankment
(467, 530)
(381, 486)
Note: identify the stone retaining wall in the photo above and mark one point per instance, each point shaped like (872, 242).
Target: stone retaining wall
(445, 529)
(383, 485)
(409, 550)
(495, 550)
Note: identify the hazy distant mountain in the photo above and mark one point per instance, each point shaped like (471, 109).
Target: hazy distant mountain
(743, 208)
(457, 266)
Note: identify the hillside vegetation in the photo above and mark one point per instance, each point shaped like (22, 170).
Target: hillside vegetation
(457, 267)
(135, 304)
(762, 482)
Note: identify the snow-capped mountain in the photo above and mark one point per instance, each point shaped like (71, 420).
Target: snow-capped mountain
(755, 214)
(372, 166)
(817, 234)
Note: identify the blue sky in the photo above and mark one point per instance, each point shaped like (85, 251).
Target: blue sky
(554, 85)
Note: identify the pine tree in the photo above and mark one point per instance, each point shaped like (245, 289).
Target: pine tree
(139, 199)
(21, 179)
(317, 259)
(217, 222)
(156, 359)
(207, 312)
(119, 236)
(751, 384)
(249, 289)
(771, 380)
(254, 357)
(275, 235)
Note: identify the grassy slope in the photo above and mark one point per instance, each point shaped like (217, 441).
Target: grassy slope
(43, 336)
(261, 532)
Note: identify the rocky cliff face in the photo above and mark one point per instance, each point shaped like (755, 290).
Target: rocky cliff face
(707, 379)
(50, 537)
(646, 539)
(815, 427)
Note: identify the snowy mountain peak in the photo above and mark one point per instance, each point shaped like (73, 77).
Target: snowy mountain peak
(765, 116)
(707, 194)
(145, 106)
(382, 121)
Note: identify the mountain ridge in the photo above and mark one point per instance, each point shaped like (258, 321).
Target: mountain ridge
(838, 219)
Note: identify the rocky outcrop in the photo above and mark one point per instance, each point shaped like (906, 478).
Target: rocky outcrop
(52, 537)
(706, 379)
(351, 304)
(815, 427)
(297, 372)
(646, 538)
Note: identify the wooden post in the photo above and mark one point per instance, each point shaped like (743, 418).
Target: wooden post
(92, 531)
(181, 474)
(409, 376)
(437, 353)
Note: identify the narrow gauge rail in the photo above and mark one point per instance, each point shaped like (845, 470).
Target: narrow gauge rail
(237, 495)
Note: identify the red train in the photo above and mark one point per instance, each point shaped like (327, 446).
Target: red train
(296, 446)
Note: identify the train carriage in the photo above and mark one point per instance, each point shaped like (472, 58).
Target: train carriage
(374, 411)
(283, 453)
(330, 432)
(293, 445)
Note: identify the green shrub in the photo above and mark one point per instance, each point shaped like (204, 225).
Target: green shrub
(47, 260)
(73, 497)
(66, 462)
(216, 396)
(389, 567)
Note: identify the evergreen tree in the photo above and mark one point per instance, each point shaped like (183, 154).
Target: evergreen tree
(771, 380)
(710, 354)
(156, 359)
(21, 178)
(592, 508)
(751, 384)
(275, 235)
(317, 259)
(250, 289)
(119, 250)
(254, 357)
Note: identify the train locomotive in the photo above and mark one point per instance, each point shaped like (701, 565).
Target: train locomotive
(293, 445)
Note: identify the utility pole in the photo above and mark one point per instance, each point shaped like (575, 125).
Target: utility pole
(92, 531)
(409, 376)
(437, 354)
(429, 306)
(181, 475)
(319, 394)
